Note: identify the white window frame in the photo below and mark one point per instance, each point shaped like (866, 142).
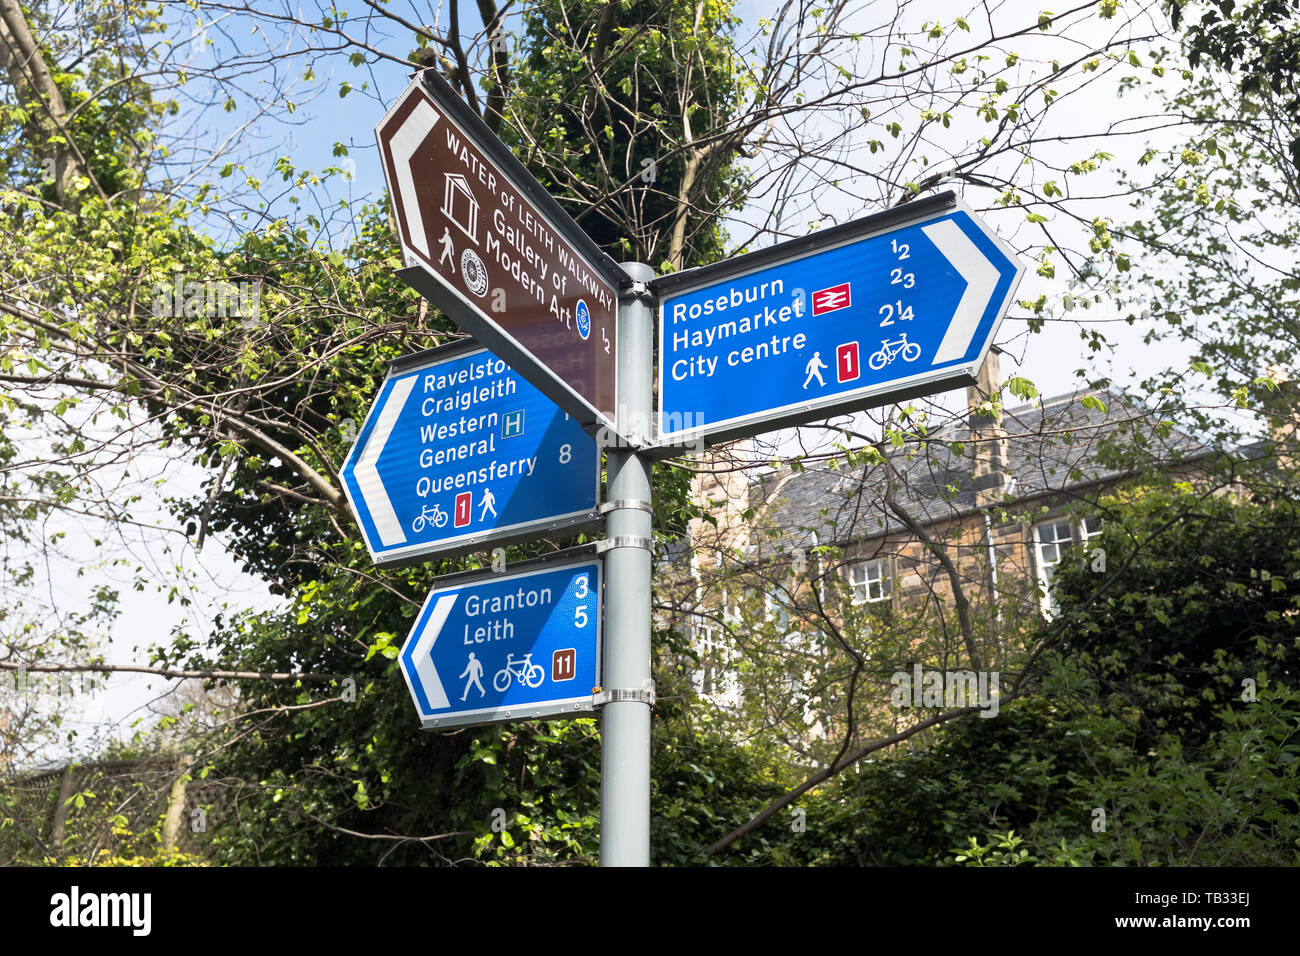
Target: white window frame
(816, 555)
(883, 580)
(774, 609)
(1080, 530)
(715, 678)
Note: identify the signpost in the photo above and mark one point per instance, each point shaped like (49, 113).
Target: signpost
(487, 245)
(889, 307)
(458, 451)
(495, 647)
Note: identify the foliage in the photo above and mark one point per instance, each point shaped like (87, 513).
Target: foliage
(1256, 40)
(102, 360)
(1211, 239)
(162, 858)
(113, 113)
(1206, 596)
(1143, 745)
(115, 811)
(616, 101)
(1233, 806)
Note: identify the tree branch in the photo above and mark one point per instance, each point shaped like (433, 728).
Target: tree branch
(168, 672)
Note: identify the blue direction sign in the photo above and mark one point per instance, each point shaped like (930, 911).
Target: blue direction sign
(878, 310)
(507, 646)
(460, 451)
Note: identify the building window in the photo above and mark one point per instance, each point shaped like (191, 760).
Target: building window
(775, 610)
(715, 676)
(869, 581)
(1052, 539)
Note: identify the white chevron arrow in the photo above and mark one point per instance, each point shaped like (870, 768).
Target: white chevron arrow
(422, 656)
(981, 280)
(366, 471)
(405, 142)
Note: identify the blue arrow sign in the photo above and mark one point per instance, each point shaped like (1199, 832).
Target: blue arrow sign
(459, 451)
(865, 314)
(507, 647)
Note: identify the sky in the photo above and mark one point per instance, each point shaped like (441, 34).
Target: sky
(1056, 358)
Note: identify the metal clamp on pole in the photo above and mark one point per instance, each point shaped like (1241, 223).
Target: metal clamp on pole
(624, 541)
(645, 695)
(637, 290)
(623, 503)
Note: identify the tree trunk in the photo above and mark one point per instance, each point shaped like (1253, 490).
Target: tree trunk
(176, 805)
(36, 91)
(67, 786)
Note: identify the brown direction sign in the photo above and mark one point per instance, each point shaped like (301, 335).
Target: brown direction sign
(485, 243)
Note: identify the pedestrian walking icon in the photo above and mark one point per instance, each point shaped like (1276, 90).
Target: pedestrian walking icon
(448, 250)
(814, 368)
(474, 670)
(488, 503)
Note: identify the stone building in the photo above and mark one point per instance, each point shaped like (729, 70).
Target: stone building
(970, 520)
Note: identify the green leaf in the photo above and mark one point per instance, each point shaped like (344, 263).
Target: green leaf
(1022, 388)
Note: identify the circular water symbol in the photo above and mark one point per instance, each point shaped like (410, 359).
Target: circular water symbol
(476, 277)
(584, 319)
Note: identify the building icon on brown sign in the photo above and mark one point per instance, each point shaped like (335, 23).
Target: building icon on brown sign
(459, 205)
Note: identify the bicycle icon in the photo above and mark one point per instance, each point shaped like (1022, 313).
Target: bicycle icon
(891, 350)
(437, 516)
(524, 671)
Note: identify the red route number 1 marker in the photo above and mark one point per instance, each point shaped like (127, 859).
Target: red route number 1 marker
(847, 366)
(464, 500)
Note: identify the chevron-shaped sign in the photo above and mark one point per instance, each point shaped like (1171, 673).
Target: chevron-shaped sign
(460, 453)
(492, 249)
(492, 647)
(875, 311)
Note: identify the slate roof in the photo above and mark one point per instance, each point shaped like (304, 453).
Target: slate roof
(1057, 449)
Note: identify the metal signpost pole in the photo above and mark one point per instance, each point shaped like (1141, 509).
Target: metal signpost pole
(628, 689)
